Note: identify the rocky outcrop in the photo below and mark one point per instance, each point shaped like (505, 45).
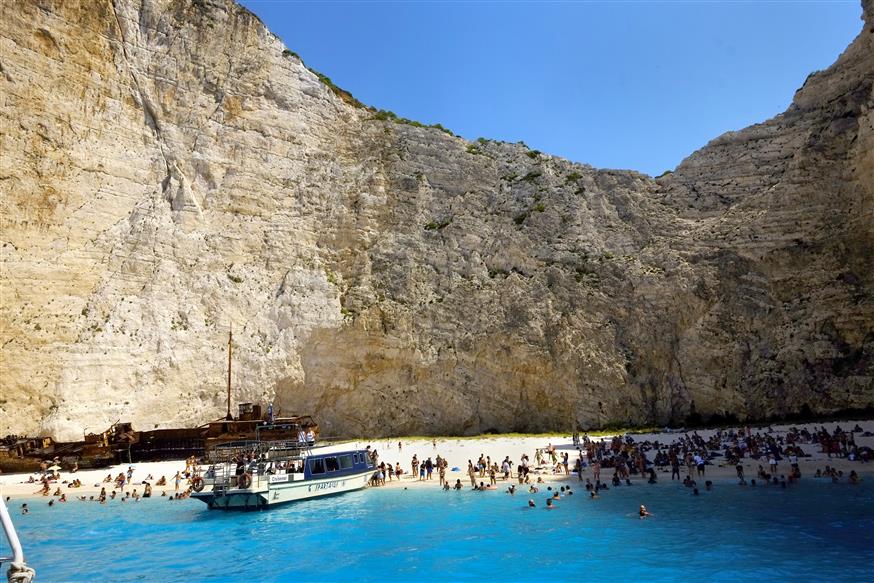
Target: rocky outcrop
(170, 169)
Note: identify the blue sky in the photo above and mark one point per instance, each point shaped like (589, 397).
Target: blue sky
(637, 85)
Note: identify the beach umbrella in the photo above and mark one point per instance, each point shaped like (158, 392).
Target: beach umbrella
(55, 468)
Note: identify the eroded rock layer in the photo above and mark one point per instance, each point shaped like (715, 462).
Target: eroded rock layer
(169, 170)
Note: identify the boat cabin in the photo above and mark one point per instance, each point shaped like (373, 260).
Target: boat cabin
(336, 465)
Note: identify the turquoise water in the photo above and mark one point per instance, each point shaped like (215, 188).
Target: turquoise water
(816, 530)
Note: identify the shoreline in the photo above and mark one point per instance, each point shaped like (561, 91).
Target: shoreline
(458, 450)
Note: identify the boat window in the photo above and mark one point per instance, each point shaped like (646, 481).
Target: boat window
(317, 466)
(345, 462)
(356, 459)
(331, 464)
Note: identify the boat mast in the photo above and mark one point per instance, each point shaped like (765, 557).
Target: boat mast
(230, 345)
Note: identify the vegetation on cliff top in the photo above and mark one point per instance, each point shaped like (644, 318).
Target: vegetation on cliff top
(346, 96)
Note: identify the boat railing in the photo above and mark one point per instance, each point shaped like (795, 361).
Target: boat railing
(18, 569)
(271, 450)
(226, 475)
(231, 450)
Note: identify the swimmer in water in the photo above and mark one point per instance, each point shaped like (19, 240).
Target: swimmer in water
(549, 505)
(530, 504)
(644, 512)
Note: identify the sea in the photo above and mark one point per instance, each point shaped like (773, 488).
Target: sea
(813, 531)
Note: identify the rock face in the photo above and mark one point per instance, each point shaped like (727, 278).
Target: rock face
(169, 170)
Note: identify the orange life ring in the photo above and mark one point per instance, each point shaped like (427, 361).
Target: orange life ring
(244, 481)
(197, 484)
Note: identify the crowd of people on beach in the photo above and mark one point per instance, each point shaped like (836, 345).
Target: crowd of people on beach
(123, 487)
(686, 456)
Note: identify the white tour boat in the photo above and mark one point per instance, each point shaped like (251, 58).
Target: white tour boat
(257, 474)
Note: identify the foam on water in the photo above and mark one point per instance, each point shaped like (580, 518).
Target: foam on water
(815, 530)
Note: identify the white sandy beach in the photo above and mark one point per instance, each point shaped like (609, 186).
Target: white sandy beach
(457, 450)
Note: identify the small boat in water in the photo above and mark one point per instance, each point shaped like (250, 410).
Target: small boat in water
(249, 475)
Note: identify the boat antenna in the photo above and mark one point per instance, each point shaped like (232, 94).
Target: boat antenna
(230, 348)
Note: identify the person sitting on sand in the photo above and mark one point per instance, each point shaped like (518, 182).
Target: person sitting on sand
(162, 481)
(644, 512)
